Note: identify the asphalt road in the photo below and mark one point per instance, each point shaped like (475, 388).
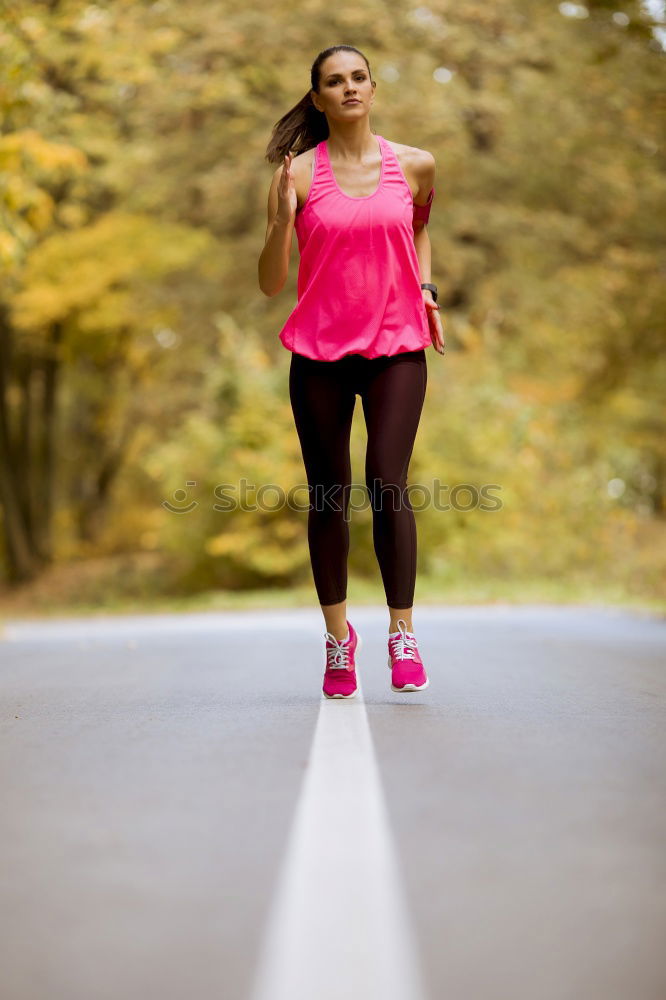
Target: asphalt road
(151, 769)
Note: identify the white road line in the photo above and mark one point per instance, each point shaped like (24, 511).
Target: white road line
(338, 928)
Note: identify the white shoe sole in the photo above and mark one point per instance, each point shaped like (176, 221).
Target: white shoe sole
(408, 687)
(359, 643)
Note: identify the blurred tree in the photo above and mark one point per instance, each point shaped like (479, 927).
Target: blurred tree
(133, 199)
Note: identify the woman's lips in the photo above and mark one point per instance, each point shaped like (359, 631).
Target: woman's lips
(352, 101)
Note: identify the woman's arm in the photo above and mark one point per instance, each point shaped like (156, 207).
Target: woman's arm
(423, 252)
(424, 170)
(274, 259)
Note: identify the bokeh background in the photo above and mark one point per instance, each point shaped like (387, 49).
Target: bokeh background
(140, 367)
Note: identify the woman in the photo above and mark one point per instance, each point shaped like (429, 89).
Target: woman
(366, 311)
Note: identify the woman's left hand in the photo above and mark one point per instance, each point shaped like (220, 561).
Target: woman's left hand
(434, 322)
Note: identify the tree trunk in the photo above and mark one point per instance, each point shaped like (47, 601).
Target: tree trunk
(22, 561)
(45, 468)
(94, 505)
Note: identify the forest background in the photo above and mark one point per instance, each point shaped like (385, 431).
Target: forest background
(140, 368)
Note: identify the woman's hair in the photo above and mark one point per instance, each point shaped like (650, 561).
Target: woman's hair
(304, 126)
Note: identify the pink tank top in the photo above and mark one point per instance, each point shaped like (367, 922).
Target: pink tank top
(359, 285)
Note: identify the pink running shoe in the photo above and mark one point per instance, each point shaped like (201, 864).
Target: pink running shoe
(340, 673)
(407, 670)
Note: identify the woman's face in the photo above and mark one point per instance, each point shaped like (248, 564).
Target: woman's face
(344, 75)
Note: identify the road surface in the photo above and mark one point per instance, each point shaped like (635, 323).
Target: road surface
(184, 816)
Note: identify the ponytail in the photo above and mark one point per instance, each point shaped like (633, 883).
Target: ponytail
(300, 129)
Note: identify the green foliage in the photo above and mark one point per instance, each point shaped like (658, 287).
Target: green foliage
(132, 213)
(81, 271)
(238, 536)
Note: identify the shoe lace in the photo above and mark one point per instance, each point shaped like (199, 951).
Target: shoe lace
(403, 647)
(337, 655)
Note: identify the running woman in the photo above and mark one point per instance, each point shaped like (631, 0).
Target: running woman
(366, 311)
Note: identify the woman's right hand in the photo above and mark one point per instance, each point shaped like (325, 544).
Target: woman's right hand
(287, 200)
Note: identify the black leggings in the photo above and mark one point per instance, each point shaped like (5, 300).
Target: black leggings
(323, 395)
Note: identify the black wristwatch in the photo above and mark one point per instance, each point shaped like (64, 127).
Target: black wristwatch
(433, 289)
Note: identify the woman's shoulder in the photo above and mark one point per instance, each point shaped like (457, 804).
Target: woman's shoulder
(418, 165)
(302, 167)
(420, 158)
(302, 160)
